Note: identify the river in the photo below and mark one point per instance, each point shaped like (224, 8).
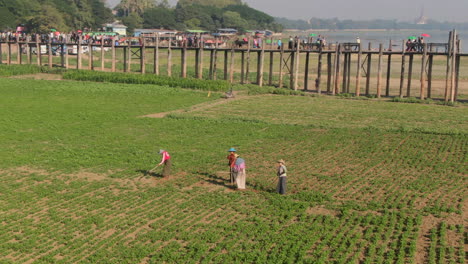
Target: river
(384, 36)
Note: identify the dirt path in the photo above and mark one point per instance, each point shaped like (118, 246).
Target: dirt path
(199, 107)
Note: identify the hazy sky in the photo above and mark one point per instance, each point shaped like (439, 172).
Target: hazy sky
(404, 10)
(442, 10)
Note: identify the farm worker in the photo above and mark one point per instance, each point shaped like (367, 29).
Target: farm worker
(232, 162)
(239, 170)
(166, 160)
(280, 43)
(281, 173)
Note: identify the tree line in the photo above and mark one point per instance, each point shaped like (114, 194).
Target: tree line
(39, 16)
(195, 14)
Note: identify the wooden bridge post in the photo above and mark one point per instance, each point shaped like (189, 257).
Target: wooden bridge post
(169, 58)
(231, 66)
(389, 71)
(379, 72)
(280, 81)
(183, 60)
(62, 55)
(319, 71)
(90, 56)
(143, 56)
(345, 72)
(330, 72)
(369, 69)
(453, 67)
(8, 58)
(402, 75)
(1, 53)
(211, 63)
(113, 54)
(247, 66)
(306, 71)
(78, 52)
(457, 72)
(410, 75)
(67, 55)
(337, 69)
(226, 63)
(18, 51)
(270, 69)
(358, 71)
(429, 75)
(197, 60)
(28, 51)
(125, 57)
(260, 65)
(38, 51)
(156, 56)
(102, 54)
(423, 72)
(348, 84)
(295, 66)
(447, 74)
(49, 47)
(215, 61)
(242, 67)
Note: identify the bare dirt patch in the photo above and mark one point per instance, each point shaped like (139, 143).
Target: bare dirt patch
(39, 76)
(321, 210)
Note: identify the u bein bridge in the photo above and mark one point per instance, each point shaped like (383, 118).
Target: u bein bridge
(333, 73)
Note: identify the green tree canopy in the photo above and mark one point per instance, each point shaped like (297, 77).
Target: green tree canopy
(63, 15)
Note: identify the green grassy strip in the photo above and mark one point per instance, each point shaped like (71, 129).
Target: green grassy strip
(83, 75)
(11, 70)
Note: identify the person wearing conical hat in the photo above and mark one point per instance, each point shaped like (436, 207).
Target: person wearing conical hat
(231, 163)
(281, 173)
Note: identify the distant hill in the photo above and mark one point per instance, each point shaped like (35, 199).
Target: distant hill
(335, 23)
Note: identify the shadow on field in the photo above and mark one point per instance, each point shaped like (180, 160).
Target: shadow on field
(217, 180)
(149, 173)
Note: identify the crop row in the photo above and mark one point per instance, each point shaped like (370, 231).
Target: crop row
(208, 85)
(108, 220)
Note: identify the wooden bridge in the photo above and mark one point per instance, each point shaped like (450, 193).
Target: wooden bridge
(334, 62)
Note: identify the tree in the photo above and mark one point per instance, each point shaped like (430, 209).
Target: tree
(159, 17)
(127, 7)
(132, 21)
(234, 20)
(48, 18)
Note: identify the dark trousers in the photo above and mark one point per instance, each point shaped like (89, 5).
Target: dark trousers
(281, 185)
(167, 168)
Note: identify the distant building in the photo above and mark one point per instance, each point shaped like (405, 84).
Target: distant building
(152, 32)
(116, 27)
(422, 20)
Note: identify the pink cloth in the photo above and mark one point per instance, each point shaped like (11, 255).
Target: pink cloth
(165, 156)
(239, 167)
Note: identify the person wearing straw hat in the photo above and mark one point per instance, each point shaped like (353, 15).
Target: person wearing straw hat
(281, 173)
(166, 160)
(231, 163)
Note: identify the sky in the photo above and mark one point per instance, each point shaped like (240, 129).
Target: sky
(402, 10)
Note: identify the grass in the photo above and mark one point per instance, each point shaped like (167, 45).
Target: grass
(367, 180)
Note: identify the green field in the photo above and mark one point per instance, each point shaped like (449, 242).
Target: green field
(369, 181)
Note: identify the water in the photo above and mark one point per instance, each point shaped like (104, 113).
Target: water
(384, 37)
